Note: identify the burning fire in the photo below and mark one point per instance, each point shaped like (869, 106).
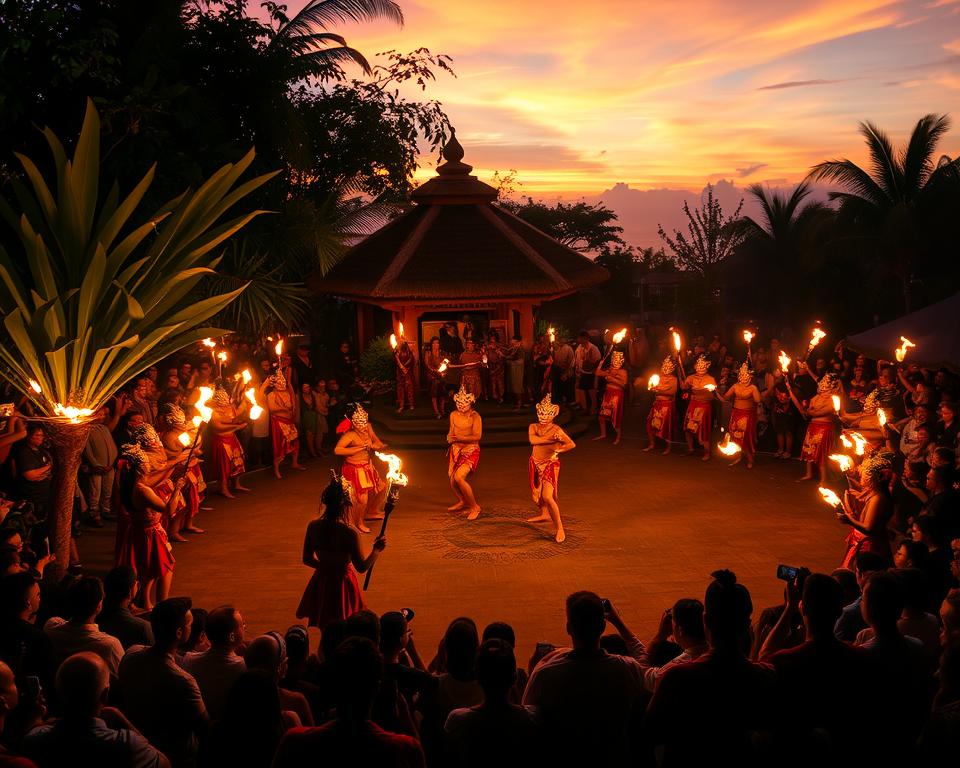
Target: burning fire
(443, 366)
(843, 461)
(72, 413)
(484, 359)
(552, 333)
(247, 378)
(816, 336)
(209, 343)
(836, 403)
(727, 447)
(279, 348)
(901, 352)
(394, 475)
(256, 411)
(653, 381)
(846, 441)
(619, 335)
(748, 336)
(393, 341)
(204, 413)
(184, 439)
(829, 496)
(35, 386)
(401, 329)
(860, 441)
(881, 417)
(711, 387)
(784, 361)
(676, 342)
(222, 356)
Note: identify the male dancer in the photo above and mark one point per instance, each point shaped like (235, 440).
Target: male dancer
(357, 439)
(228, 461)
(660, 418)
(743, 419)
(466, 429)
(548, 442)
(818, 440)
(611, 406)
(698, 422)
(173, 422)
(284, 437)
(403, 357)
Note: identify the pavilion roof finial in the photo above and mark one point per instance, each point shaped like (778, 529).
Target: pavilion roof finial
(453, 150)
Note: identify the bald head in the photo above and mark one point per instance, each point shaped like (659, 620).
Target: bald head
(9, 698)
(82, 684)
(266, 653)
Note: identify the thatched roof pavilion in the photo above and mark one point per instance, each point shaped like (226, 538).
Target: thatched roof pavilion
(456, 251)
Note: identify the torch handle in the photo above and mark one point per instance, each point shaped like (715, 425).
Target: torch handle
(387, 509)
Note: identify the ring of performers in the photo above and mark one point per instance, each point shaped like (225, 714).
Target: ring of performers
(463, 453)
(743, 419)
(698, 420)
(660, 417)
(357, 439)
(548, 441)
(611, 406)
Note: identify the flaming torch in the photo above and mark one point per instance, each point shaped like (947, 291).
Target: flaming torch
(443, 366)
(256, 411)
(882, 417)
(842, 460)
(395, 481)
(676, 345)
(654, 381)
(860, 443)
(830, 497)
(836, 403)
(278, 349)
(221, 359)
(816, 336)
(748, 337)
(784, 361)
(901, 352)
(400, 328)
(728, 447)
(393, 341)
(204, 414)
(552, 333)
(35, 386)
(618, 337)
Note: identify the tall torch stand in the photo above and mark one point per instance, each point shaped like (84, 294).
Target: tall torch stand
(393, 494)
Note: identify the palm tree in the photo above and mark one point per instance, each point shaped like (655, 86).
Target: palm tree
(889, 205)
(91, 297)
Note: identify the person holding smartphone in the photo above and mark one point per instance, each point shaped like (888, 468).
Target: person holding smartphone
(33, 470)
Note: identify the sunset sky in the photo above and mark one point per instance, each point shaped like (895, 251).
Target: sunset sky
(578, 97)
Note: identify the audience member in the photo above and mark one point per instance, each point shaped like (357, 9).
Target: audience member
(217, 669)
(81, 633)
(120, 588)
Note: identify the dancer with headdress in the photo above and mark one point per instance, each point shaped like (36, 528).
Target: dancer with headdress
(867, 421)
(173, 422)
(819, 438)
(611, 405)
(284, 437)
(470, 362)
(406, 384)
(743, 419)
(228, 458)
(331, 547)
(698, 420)
(548, 441)
(660, 417)
(463, 454)
(357, 440)
(867, 509)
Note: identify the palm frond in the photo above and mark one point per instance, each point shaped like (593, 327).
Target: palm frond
(848, 174)
(328, 13)
(918, 157)
(886, 171)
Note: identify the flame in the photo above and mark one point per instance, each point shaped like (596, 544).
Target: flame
(279, 348)
(727, 447)
(881, 417)
(401, 329)
(72, 413)
(197, 421)
(35, 386)
(247, 378)
(256, 411)
(394, 475)
(619, 335)
(860, 441)
(484, 359)
(443, 366)
(829, 496)
(748, 336)
(393, 341)
(784, 361)
(552, 334)
(901, 352)
(184, 439)
(209, 343)
(676, 342)
(711, 387)
(836, 402)
(816, 335)
(653, 381)
(204, 412)
(222, 356)
(846, 441)
(843, 461)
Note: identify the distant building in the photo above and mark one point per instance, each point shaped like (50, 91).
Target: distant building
(657, 294)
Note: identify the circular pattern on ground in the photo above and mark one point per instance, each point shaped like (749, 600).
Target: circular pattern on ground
(500, 535)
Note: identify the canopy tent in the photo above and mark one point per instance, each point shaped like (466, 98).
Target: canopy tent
(934, 329)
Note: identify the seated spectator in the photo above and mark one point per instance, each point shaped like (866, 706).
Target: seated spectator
(81, 633)
(494, 732)
(392, 709)
(402, 665)
(24, 646)
(941, 735)
(251, 726)
(160, 698)
(851, 620)
(120, 589)
(9, 699)
(198, 641)
(500, 630)
(88, 732)
(943, 504)
(710, 710)
(217, 669)
(268, 653)
(352, 738)
(914, 622)
(585, 695)
(301, 666)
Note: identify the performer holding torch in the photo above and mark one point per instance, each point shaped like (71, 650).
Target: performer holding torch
(660, 417)
(698, 421)
(743, 419)
(819, 438)
(357, 439)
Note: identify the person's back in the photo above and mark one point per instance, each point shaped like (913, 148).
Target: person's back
(217, 668)
(80, 633)
(116, 618)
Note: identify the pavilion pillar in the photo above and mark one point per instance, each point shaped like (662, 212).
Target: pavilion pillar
(526, 324)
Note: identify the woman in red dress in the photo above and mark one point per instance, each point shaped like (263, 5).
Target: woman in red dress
(868, 511)
(331, 546)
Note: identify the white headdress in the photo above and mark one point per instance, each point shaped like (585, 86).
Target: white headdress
(667, 366)
(146, 436)
(702, 365)
(547, 410)
(221, 398)
(463, 398)
(744, 376)
(828, 383)
(359, 418)
(279, 380)
(871, 403)
(616, 359)
(173, 415)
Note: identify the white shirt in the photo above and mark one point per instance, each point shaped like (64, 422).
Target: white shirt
(215, 672)
(68, 638)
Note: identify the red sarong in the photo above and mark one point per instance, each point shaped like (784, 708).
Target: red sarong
(743, 428)
(331, 594)
(152, 557)
(283, 433)
(363, 477)
(699, 420)
(660, 419)
(544, 472)
(460, 454)
(405, 388)
(818, 442)
(195, 489)
(611, 406)
(165, 490)
(227, 456)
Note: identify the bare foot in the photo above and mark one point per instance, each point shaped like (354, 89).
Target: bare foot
(276, 474)
(803, 479)
(600, 437)
(617, 441)
(176, 537)
(561, 536)
(706, 457)
(538, 519)
(648, 448)
(299, 466)
(192, 529)
(665, 451)
(749, 464)
(474, 513)
(228, 495)
(363, 529)
(206, 509)
(378, 516)
(456, 507)
(243, 488)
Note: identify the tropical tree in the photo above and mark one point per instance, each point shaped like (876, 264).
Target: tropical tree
(899, 207)
(91, 294)
(580, 226)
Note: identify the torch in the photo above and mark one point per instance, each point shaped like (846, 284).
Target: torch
(844, 462)
(552, 333)
(204, 414)
(256, 411)
(901, 352)
(676, 346)
(728, 447)
(615, 339)
(829, 497)
(816, 336)
(784, 362)
(654, 381)
(221, 359)
(836, 404)
(396, 480)
(748, 337)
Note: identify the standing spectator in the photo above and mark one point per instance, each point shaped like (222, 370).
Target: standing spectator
(495, 732)
(143, 398)
(910, 443)
(563, 373)
(351, 738)
(943, 503)
(160, 698)
(9, 701)
(345, 369)
(304, 372)
(33, 470)
(585, 695)
(13, 433)
(586, 360)
(851, 619)
(219, 667)
(120, 588)
(81, 633)
(99, 457)
(88, 732)
(514, 362)
(948, 426)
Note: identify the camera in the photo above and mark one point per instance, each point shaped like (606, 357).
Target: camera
(407, 614)
(606, 605)
(788, 572)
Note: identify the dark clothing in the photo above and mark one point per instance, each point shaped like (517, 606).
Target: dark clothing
(130, 630)
(945, 509)
(340, 743)
(35, 491)
(27, 650)
(88, 742)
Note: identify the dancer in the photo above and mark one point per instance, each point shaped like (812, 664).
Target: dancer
(494, 352)
(611, 406)
(284, 436)
(867, 422)
(818, 440)
(868, 511)
(660, 418)
(466, 429)
(433, 362)
(357, 439)
(228, 457)
(698, 421)
(332, 548)
(470, 362)
(173, 421)
(405, 361)
(743, 419)
(548, 442)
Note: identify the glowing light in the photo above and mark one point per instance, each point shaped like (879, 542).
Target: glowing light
(394, 464)
(209, 343)
(401, 330)
(197, 421)
(653, 381)
(184, 439)
(247, 377)
(846, 441)
(256, 410)
(836, 403)
(393, 341)
(748, 336)
(829, 497)
(843, 461)
(817, 334)
(881, 417)
(860, 443)
(784, 361)
(676, 342)
(204, 412)
(279, 348)
(484, 359)
(728, 447)
(552, 334)
(35, 386)
(901, 352)
(222, 356)
(711, 387)
(619, 335)
(443, 366)
(72, 413)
